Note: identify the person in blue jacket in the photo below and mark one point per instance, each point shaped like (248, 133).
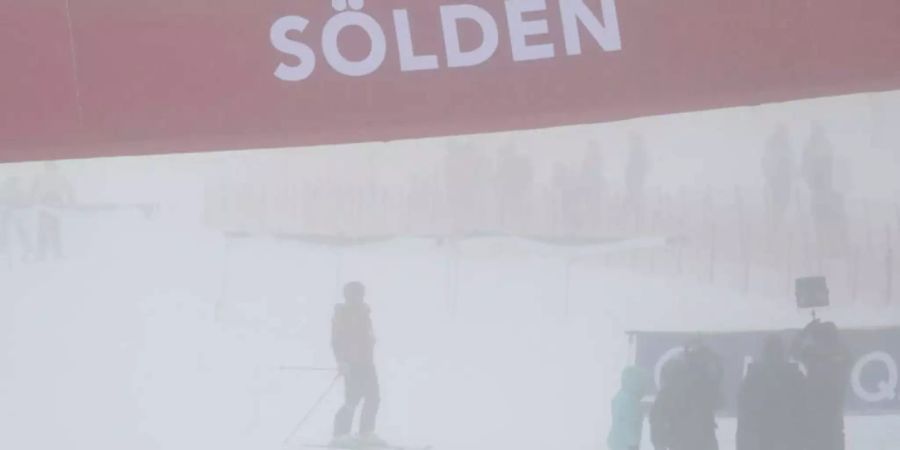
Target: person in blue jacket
(628, 411)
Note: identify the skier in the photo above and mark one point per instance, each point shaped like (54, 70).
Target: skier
(826, 200)
(627, 411)
(353, 342)
(770, 402)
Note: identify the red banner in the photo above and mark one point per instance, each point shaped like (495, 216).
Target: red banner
(84, 78)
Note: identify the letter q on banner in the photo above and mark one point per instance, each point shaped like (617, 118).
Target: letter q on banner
(886, 389)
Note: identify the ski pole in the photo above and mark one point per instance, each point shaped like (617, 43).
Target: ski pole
(309, 414)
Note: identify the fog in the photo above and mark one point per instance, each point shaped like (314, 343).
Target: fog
(188, 296)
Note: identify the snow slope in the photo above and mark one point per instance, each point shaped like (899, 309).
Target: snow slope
(163, 335)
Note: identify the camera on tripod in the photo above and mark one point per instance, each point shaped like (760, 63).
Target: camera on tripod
(812, 292)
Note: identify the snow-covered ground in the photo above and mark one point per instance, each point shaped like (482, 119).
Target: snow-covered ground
(164, 335)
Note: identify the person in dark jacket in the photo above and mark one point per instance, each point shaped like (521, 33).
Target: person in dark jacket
(683, 415)
(821, 351)
(628, 412)
(770, 414)
(353, 342)
(668, 400)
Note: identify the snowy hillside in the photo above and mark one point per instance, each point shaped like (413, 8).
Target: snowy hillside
(161, 335)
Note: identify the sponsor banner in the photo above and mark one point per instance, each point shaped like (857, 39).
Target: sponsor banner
(875, 356)
(87, 78)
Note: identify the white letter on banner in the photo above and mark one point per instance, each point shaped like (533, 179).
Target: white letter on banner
(520, 29)
(409, 61)
(278, 34)
(332, 31)
(450, 17)
(887, 389)
(606, 34)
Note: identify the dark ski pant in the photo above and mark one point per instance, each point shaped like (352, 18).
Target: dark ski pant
(361, 385)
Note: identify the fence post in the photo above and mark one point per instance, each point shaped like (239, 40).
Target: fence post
(712, 234)
(712, 253)
(889, 268)
(680, 246)
(854, 274)
(568, 287)
(452, 276)
(789, 259)
(742, 235)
